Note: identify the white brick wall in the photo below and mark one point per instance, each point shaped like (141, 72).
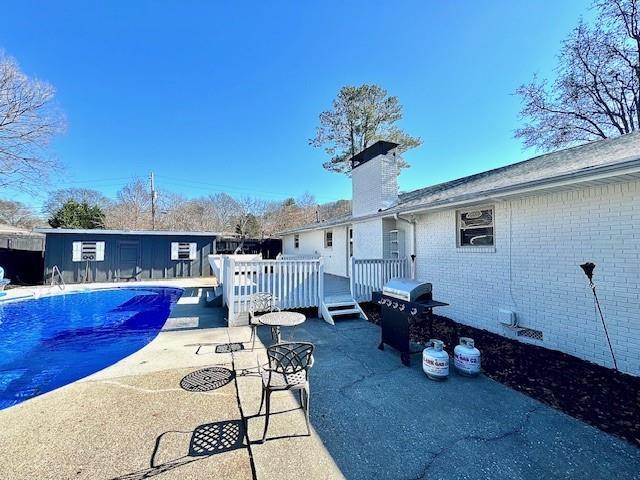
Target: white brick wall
(374, 184)
(368, 239)
(335, 258)
(534, 270)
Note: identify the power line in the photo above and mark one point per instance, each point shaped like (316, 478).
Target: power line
(222, 187)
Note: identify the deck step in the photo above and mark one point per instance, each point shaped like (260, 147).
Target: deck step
(333, 308)
(348, 311)
(334, 305)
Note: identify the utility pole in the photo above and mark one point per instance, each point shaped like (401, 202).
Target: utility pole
(154, 196)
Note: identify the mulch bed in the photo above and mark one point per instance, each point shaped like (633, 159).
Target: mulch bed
(604, 398)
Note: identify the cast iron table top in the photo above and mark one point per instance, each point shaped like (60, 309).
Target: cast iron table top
(275, 320)
(282, 319)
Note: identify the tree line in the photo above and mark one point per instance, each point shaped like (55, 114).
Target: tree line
(131, 209)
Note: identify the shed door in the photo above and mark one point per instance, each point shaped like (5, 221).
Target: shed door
(128, 260)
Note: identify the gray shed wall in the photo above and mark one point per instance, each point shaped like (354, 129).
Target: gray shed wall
(154, 257)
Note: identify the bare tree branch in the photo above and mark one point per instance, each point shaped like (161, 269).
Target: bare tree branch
(596, 93)
(28, 122)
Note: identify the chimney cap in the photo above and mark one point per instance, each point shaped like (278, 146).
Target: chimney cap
(381, 147)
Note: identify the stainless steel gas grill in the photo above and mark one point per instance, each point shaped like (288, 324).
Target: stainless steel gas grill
(403, 301)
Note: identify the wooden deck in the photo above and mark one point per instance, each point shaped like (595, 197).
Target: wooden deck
(336, 288)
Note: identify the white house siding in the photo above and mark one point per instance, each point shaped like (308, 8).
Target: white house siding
(534, 270)
(368, 239)
(312, 242)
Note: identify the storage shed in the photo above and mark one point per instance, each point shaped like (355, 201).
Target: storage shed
(126, 255)
(21, 252)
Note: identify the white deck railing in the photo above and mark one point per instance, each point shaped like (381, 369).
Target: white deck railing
(217, 263)
(370, 274)
(298, 256)
(295, 283)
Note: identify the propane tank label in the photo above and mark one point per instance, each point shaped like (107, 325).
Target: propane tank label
(435, 366)
(466, 363)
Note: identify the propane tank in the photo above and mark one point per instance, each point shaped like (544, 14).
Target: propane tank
(466, 357)
(435, 361)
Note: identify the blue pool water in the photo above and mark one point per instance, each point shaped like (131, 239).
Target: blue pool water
(51, 341)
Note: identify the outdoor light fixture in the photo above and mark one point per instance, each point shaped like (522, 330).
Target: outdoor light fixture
(588, 269)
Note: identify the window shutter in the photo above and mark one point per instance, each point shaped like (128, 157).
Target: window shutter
(77, 252)
(174, 250)
(192, 251)
(99, 251)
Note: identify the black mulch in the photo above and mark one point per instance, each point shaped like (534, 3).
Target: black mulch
(604, 398)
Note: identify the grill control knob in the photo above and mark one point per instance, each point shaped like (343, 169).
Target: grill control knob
(395, 305)
(414, 311)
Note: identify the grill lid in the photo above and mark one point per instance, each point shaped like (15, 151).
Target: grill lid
(406, 288)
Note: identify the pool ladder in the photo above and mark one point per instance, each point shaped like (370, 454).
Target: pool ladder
(56, 274)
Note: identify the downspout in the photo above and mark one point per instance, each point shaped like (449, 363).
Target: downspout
(412, 244)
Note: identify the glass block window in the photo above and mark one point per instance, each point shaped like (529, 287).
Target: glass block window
(475, 227)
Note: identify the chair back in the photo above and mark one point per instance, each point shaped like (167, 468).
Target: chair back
(260, 303)
(1, 273)
(290, 357)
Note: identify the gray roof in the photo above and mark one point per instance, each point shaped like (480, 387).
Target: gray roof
(11, 230)
(568, 162)
(97, 231)
(332, 222)
(603, 156)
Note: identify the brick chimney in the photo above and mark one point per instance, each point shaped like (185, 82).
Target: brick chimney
(374, 178)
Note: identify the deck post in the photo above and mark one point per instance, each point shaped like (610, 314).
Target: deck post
(352, 277)
(320, 285)
(223, 279)
(230, 273)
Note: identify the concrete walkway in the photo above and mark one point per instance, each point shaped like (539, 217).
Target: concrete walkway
(158, 413)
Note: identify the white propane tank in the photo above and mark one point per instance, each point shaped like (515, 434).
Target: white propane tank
(466, 357)
(435, 361)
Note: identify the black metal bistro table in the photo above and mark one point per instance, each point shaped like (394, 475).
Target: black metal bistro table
(397, 316)
(275, 320)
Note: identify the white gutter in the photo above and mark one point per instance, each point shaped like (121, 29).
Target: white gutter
(412, 244)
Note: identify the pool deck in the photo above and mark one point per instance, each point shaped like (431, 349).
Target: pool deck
(371, 417)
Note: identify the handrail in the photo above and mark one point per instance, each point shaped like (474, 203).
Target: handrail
(297, 283)
(370, 274)
(55, 271)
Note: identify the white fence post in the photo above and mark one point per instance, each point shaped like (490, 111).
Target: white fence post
(230, 270)
(320, 286)
(352, 277)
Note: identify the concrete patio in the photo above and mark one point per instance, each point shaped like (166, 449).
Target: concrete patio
(156, 413)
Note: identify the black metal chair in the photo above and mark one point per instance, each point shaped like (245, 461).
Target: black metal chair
(287, 370)
(259, 304)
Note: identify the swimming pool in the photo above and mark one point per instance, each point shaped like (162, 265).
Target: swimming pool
(51, 341)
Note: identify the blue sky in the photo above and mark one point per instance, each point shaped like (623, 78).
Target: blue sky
(223, 96)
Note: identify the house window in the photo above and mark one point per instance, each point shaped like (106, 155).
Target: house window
(475, 227)
(328, 238)
(183, 251)
(296, 241)
(88, 251)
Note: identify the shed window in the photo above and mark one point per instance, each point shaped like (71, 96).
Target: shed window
(296, 241)
(328, 239)
(183, 251)
(475, 227)
(88, 251)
